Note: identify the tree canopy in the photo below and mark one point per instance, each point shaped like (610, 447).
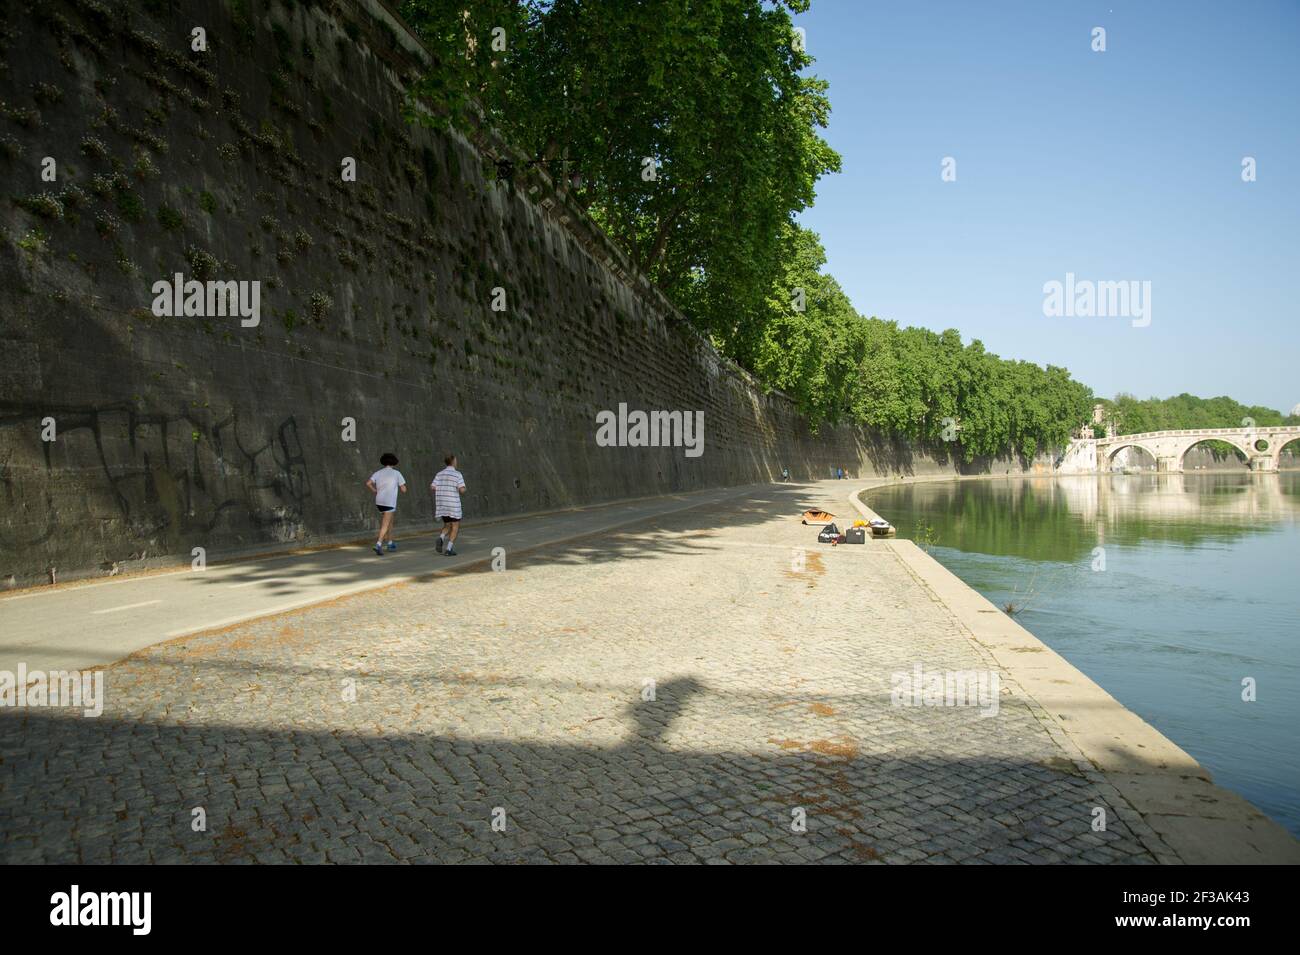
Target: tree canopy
(1185, 412)
(929, 386)
(686, 130)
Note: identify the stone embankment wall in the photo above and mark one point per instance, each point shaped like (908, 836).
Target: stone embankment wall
(376, 332)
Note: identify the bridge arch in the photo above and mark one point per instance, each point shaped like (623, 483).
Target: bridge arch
(1284, 443)
(1113, 452)
(1242, 449)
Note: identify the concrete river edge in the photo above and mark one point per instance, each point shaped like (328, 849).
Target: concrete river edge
(1202, 822)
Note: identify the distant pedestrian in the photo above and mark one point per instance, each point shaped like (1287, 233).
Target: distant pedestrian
(448, 486)
(384, 484)
(785, 474)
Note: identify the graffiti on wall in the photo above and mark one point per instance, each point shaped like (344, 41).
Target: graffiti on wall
(163, 476)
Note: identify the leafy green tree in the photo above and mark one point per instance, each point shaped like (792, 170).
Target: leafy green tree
(811, 341)
(1187, 412)
(839, 366)
(686, 130)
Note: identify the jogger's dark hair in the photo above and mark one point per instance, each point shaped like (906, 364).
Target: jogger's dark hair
(388, 459)
(448, 459)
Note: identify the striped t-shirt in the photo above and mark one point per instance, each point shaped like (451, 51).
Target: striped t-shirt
(446, 493)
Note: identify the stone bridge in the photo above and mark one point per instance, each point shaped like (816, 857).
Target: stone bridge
(1262, 445)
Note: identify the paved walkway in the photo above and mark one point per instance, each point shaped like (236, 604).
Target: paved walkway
(88, 624)
(523, 697)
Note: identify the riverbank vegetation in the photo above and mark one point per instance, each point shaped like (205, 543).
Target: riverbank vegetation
(1183, 412)
(928, 386)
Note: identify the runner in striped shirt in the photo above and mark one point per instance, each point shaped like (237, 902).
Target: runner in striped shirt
(447, 487)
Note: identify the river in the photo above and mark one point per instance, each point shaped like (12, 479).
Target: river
(1167, 590)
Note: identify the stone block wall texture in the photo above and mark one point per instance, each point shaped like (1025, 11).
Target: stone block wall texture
(179, 432)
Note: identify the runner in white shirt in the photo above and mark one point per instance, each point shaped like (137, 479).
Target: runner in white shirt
(447, 488)
(384, 484)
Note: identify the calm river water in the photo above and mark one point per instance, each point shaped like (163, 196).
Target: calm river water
(1200, 590)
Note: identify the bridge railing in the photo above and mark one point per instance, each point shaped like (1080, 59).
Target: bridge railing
(1207, 432)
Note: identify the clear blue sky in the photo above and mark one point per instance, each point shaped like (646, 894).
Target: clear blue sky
(1123, 165)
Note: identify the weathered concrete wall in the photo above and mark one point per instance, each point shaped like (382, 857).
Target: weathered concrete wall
(178, 432)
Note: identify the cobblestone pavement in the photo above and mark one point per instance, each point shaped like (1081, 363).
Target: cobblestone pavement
(521, 696)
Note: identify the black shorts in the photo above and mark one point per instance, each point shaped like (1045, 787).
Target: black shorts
(450, 520)
(384, 508)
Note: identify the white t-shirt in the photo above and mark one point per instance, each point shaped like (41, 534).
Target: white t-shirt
(446, 493)
(387, 481)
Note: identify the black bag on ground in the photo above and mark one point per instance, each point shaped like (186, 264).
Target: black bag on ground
(828, 534)
(855, 535)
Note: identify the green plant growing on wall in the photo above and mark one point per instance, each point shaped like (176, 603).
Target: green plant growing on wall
(46, 93)
(123, 261)
(203, 265)
(129, 204)
(93, 146)
(46, 205)
(28, 117)
(103, 185)
(170, 218)
(320, 304)
(107, 225)
(144, 166)
(34, 241)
